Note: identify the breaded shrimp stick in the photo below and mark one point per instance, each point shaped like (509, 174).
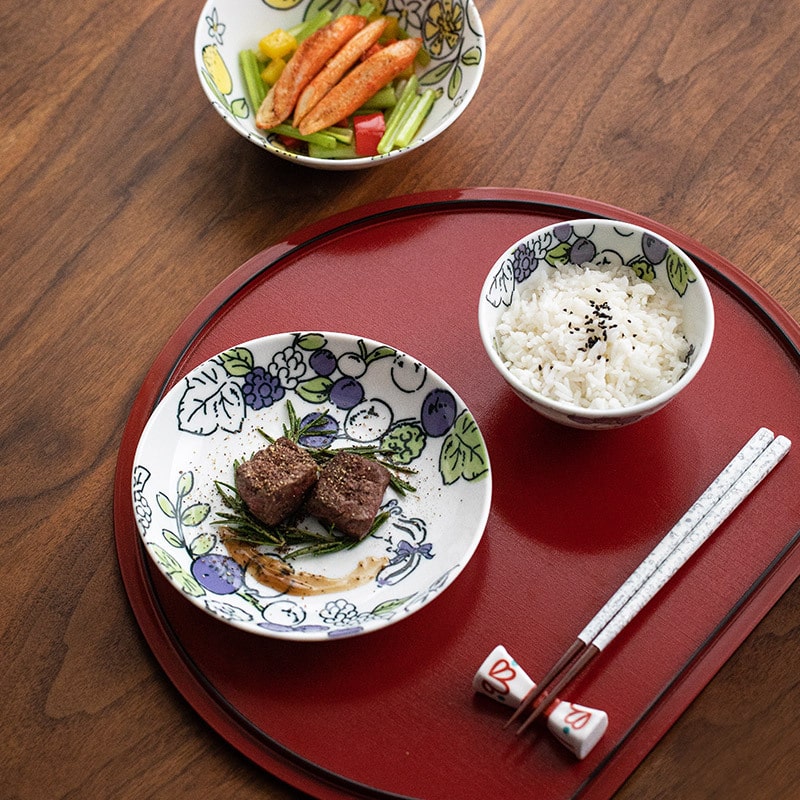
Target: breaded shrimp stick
(360, 84)
(309, 58)
(332, 72)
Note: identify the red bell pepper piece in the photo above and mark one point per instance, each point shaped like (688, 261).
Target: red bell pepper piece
(369, 130)
(289, 142)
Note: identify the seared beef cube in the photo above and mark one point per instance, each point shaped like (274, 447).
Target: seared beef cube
(275, 480)
(349, 493)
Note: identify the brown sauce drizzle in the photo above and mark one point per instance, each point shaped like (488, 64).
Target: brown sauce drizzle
(282, 577)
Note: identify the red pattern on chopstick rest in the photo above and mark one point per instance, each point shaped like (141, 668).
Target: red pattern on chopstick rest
(503, 673)
(578, 717)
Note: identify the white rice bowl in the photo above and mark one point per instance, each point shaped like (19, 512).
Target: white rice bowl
(596, 323)
(593, 337)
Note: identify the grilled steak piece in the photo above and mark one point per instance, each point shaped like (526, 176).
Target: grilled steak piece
(275, 480)
(349, 493)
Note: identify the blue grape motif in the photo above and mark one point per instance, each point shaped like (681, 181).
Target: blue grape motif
(217, 573)
(654, 250)
(261, 389)
(582, 251)
(525, 262)
(438, 412)
(322, 434)
(323, 362)
(346, 393)
(562, 232)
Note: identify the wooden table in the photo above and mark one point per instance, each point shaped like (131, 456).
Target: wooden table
(125, 200)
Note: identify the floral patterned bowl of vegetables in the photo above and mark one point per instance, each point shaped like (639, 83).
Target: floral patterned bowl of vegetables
(339, 84)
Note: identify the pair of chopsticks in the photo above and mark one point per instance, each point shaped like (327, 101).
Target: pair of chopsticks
(739, 478)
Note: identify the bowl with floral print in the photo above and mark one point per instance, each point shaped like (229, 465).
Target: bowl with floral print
(447, 70)
(596, 323)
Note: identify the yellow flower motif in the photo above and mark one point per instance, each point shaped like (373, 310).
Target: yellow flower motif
(443, 26)
(282, 4)
(217, 70)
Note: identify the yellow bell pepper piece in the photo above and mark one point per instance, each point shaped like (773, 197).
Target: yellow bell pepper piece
(272, 71)
(278, 44)
(392, 30)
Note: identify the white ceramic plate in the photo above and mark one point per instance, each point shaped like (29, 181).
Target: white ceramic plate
(374, 394)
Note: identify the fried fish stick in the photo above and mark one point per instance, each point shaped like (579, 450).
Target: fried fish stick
(360, 84)
(332, 72)
(265, 116)
(309, 58)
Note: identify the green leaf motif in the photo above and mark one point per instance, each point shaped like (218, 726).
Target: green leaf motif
(202, 544)
(239, 108)
(311, 341)
(169, 564)
(558, 255)
(194, 515)
(454, 84)
(380, 352)
(472, 57)
(185, 483)
(679, 272)
(165, 504)
(185, 582)
(405, 441)
(437, 74)
(237, 362)
(463, 453)
(388, 606)
(315, 390)
(643, 269)
(172, 538)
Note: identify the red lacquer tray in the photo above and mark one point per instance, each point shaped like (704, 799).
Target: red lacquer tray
(393, 714)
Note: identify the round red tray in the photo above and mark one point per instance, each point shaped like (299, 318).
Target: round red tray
(393, 714)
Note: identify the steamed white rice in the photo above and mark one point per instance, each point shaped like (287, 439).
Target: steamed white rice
(594, 337)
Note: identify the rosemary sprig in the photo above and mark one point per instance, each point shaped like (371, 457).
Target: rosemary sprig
(338, 543)
(290, 540)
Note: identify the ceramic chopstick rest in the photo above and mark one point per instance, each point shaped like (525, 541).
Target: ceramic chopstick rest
(578, 728)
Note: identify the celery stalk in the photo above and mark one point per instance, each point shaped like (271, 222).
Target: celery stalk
(346, 8)
(397, 114)
(416, 116)
(340, 151)
(382, 99)
(256, 91)
(321, 139)
(343, 135)
(311, 25)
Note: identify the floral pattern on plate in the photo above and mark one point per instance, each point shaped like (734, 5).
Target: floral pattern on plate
(369, 394)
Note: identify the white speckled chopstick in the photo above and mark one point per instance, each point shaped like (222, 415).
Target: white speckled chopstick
(739, 478)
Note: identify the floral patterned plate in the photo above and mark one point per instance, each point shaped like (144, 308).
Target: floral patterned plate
(369, 394)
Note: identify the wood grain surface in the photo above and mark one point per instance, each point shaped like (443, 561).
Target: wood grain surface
(124, 199)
